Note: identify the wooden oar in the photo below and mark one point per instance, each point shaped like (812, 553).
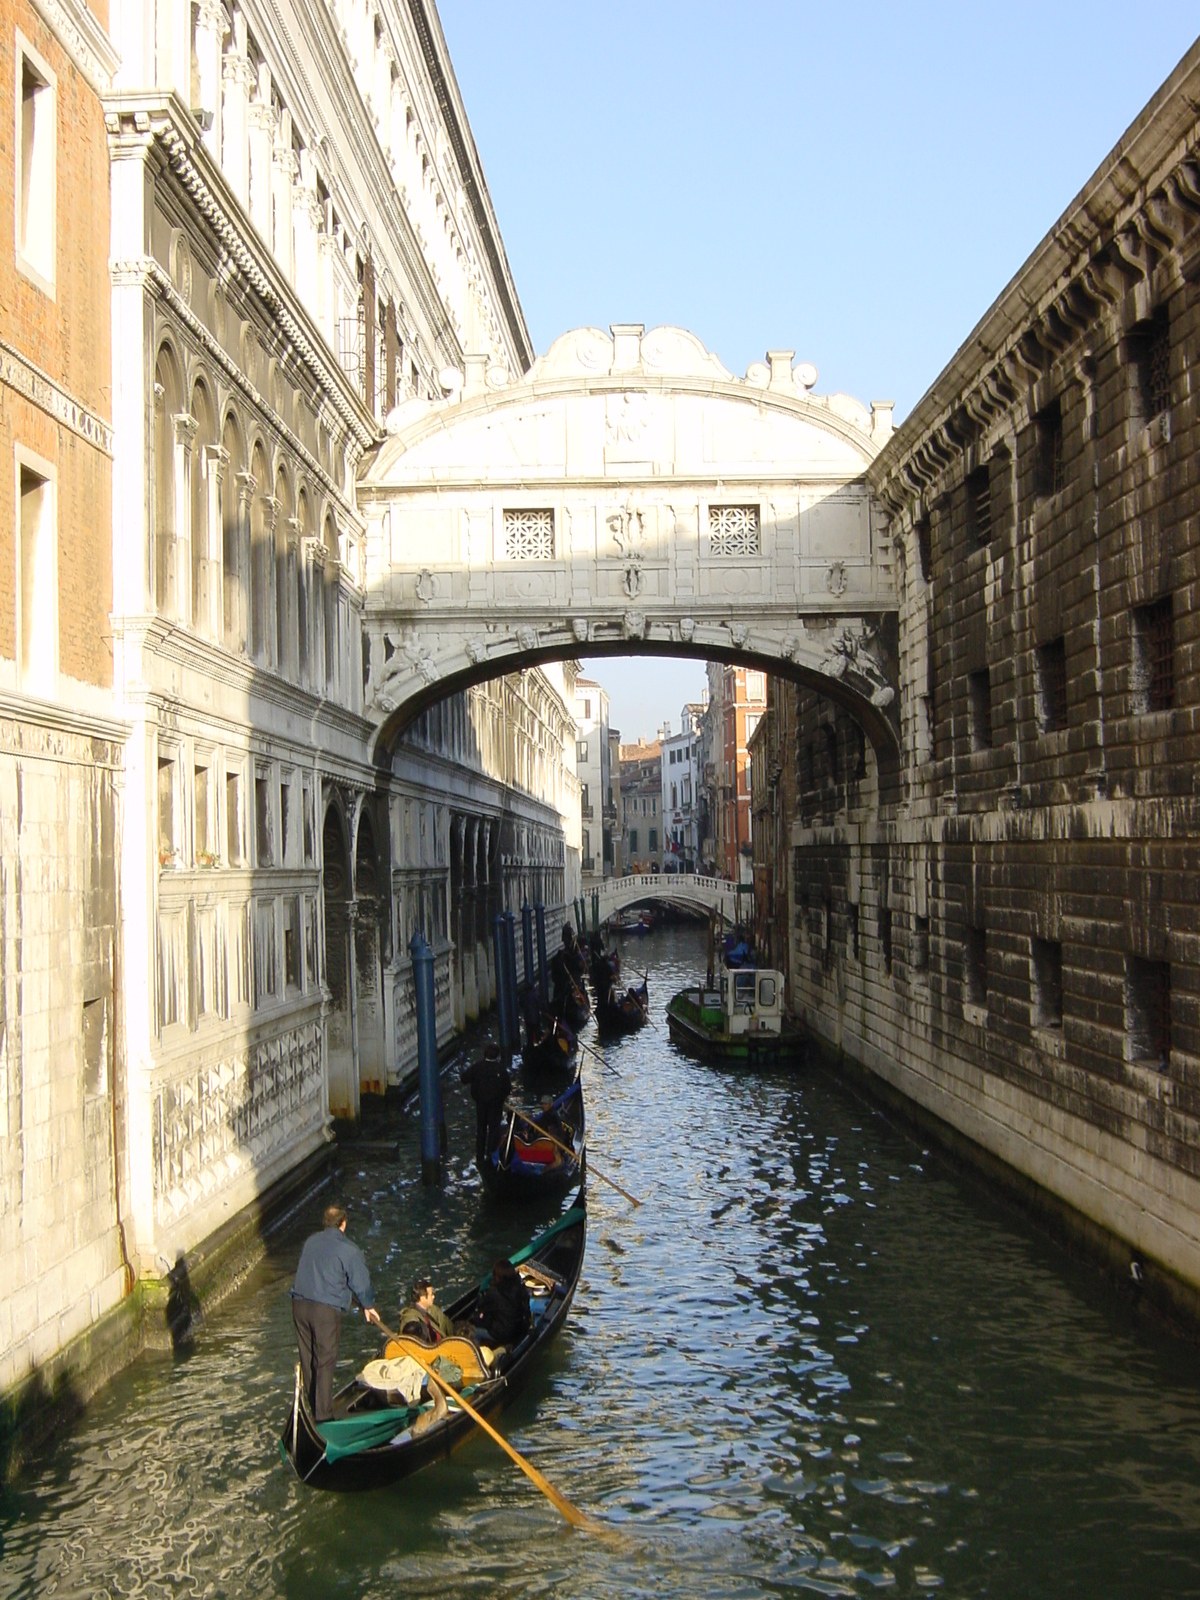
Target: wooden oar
(592, 1051)
(566, 1150)
(572, 1513)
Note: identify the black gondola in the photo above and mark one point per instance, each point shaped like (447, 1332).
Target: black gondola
(625, 1013)
(370, 1439)
(550, 1046)
(575, 1007)
(526, 1167)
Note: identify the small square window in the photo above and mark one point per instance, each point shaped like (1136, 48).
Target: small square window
(975, 978)
(1049, 465)
(979, 691)
(1148, 1011)
(1153, 665)
(1047, 983)
(1052, 685)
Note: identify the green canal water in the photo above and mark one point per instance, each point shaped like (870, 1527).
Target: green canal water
(817, 1360)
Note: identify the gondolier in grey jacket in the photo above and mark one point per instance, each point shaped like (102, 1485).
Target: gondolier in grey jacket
(331, 1274)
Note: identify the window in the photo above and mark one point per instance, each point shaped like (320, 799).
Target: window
(924, 549)
(1052, 685)
(829, 740)
(1152, 676)
(37, 601)
(581, 750)
(979, 691)
(852, 929)
(168, 812)
(633, 844)
(975, 967)
(529, 536)
(36, 136)
(921, 944)
(266, 972)
(653, 840)
(287, 815)
(885, 937)
(234, 854)
(674, 797)
(95, 1046)
(291, 942)
(312, 975)
(1047, 983)
(653, 806)
(733, 530)
(1049, 471)
(979, 506)
(756, 686)
(202, 818)
(263, 831)
(309, 824)
(1150, 348)
(1148, 1011)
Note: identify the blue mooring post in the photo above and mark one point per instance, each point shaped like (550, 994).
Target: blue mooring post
(432, 1135)
(501, 987)
(580, 917)
(543, 970)
(510, 978)
(527, 944)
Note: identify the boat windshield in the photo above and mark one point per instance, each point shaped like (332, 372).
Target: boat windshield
(743, 988)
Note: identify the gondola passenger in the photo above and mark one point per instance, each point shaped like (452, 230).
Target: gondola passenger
(422, 1317)
(502, 1315)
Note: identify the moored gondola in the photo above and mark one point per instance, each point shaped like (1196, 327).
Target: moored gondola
(550, 1046)
(375, 1437)
(623, 1013)
(525, 1165)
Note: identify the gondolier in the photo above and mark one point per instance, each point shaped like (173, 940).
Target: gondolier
(490, 1084)
(332, 1274)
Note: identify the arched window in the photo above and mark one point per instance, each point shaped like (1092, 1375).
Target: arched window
(260, 558)
(304, 519)
(167, 400)
(232, 538)
(285, 574)
(204, 463)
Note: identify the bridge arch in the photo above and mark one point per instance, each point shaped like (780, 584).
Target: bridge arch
(695, 891)
(629, 495)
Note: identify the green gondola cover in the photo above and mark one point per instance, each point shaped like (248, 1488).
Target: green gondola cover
(348, 1435)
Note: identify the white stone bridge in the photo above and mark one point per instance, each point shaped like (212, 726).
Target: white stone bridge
(629, 495)
(692, 890)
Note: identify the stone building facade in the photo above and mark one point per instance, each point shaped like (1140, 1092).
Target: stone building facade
(641, 798)
(1011, 938)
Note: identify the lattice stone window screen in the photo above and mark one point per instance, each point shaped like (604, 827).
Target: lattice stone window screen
(733, 530)
(529, 535)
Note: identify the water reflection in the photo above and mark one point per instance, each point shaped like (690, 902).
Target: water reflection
(815, 1361)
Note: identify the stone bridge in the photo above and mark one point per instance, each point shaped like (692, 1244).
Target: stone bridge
(696, 892)
(628, 495)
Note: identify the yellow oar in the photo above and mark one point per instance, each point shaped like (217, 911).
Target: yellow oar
(574, 1516)
(567, 1151)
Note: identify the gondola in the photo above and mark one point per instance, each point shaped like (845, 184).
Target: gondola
(524, 1167)
(625, 1013)
(575, 1007)
(552, 1047)
(370, 1441)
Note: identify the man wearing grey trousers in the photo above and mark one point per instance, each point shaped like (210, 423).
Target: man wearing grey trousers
(331, 1274)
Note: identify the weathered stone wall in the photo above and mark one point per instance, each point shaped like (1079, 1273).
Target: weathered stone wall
(60, 1111)
(1013, 945)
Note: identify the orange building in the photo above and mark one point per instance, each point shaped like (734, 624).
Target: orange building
(737, 700)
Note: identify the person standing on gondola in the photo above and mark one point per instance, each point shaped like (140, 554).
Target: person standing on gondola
(331, 1275)
(490, 1085)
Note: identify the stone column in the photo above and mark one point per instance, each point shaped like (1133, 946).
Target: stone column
(216, 463)
(237, 77)
(241, 611)
(210, 37)
(389, 357)
(262, 128)
(185, 433)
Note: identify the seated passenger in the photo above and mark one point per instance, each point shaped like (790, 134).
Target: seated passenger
(502, 1315)
(421, 1318)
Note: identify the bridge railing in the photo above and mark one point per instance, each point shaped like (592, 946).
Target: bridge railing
(693, 887)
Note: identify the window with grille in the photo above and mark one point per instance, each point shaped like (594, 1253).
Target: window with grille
(979, 690)
(924, 548)
(1049, 467)
(885, 937)
(1052, 685)
(852, 929)
(921, 944)
(975, 967)
(1150, 346)
(1153, 667)
(733, 530)
(529, 535)
(1047, 983)
(1148, 1011)
(979, 506)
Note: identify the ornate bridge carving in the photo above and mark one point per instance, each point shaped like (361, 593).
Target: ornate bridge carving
(629, 494)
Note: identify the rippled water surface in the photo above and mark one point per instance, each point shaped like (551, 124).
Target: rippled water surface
(817, 1360)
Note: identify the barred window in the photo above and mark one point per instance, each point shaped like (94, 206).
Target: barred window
(1154, 656)
(1052, 685)
(1150, 346)
(733, 530)
(924, 550)
(979, 693)
(979, 506)
(529, 535)
(1148, 1011)
(1049, 468)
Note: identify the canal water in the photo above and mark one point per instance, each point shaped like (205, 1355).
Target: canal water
(817, 1360)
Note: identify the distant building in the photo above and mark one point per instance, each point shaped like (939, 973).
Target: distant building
(737, 700)
(641, 797)
(613, 852)
(592, 768)
(681, 794)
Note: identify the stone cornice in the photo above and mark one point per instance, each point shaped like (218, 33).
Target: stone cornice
(84, 40)
(48, 724)
(136, 121)
(1138, 211)
(437, 61)
(20, 374)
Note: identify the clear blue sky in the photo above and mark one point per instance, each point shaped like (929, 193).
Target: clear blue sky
(856, 182)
